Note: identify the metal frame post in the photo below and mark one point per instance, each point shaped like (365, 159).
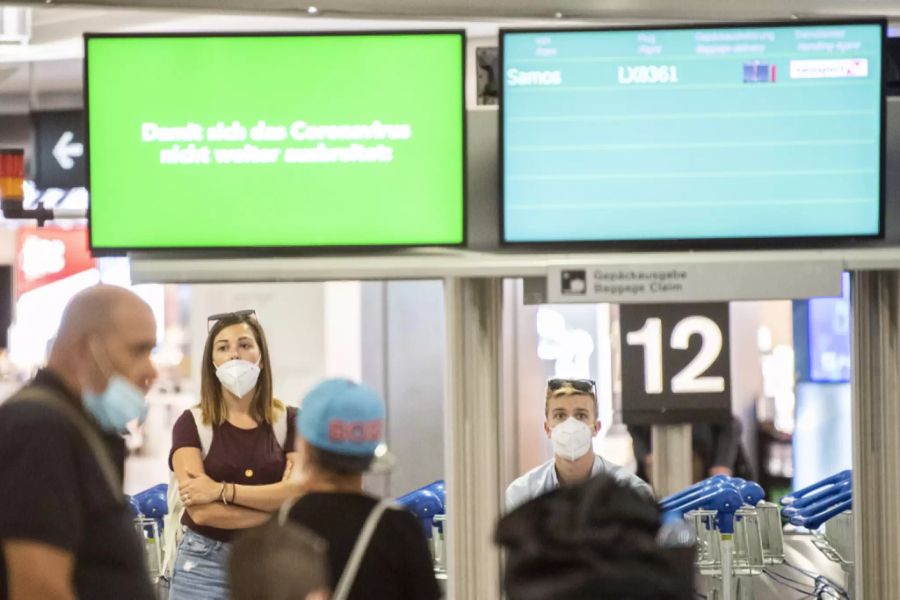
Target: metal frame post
(473, 451)
(875, 303)
(672, 468)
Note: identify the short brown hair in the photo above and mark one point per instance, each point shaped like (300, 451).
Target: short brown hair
(212, 402)
(277, 562)
(338, 464)
(569, 390)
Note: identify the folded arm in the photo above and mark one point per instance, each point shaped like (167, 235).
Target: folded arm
(226, 517)
(197, 489)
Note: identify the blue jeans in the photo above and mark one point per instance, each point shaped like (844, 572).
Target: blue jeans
(201, 569)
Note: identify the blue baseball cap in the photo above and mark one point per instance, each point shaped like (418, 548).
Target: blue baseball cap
(343, 417)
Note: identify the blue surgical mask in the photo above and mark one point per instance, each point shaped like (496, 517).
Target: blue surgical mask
(116, 406)
(120, 403)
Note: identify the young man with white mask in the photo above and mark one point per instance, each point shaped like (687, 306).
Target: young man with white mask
(571, 410)
(65, 527)
(232, 455)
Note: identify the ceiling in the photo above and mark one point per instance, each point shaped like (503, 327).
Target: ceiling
(47, 72)
(532, 9)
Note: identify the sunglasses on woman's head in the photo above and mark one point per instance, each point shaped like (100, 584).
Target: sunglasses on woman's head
(238, 314)
(587, 386)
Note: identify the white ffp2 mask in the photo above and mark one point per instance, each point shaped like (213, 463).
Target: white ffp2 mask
(571, 439)
(238, 376)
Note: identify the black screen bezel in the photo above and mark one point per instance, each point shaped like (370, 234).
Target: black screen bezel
(285, 250)
(728, 243)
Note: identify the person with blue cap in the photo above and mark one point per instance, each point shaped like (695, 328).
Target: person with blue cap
(375, 549)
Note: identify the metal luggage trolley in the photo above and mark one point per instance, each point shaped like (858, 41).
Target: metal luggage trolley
(149, 530)
(439, 548)
(428, 504)
(149, 507)
(827, 503)
(737, 533)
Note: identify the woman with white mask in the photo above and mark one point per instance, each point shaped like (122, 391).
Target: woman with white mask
(570, 409)
(228, 455)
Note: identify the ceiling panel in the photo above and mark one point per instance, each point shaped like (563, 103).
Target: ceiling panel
(519, 9)
(55, 53)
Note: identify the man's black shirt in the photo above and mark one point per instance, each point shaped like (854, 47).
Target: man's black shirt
(397, 564)
(54, 493)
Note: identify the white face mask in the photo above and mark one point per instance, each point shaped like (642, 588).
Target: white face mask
(571, 439)
(238, 376)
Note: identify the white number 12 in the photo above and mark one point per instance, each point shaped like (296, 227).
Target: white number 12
(690, 379)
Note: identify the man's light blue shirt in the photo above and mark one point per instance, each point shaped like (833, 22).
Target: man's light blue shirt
(544, 478)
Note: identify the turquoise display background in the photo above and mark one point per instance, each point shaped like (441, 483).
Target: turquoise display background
(708, 157)
(136, 202)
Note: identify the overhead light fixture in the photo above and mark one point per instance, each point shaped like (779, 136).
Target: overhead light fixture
(312, 10)
(558, 15)
(15, 25)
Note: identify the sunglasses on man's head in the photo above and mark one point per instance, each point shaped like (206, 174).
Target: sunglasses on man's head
(587, 386)
(238, 314)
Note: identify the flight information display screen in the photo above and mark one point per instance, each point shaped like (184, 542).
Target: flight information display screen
(713, 133)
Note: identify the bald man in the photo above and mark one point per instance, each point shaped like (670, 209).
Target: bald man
(65, 529)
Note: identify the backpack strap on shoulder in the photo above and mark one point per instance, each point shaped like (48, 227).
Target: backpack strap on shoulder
(345, 583)
(280, 427)
(204, 430)
(40, 395)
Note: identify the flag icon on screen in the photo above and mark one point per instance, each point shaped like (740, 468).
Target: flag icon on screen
(757, 72)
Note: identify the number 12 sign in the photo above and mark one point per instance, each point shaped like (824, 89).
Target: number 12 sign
(676, 365)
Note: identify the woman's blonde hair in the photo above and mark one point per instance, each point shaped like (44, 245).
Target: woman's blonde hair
(212, 400)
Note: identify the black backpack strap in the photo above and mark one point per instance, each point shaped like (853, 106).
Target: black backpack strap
(43, 396)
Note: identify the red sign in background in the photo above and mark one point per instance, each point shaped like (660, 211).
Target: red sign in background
(48, 254)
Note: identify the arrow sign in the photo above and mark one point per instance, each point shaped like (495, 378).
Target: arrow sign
(60, 149)
(65, 150)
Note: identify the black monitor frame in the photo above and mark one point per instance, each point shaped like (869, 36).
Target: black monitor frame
(730, 243)
(231, 251)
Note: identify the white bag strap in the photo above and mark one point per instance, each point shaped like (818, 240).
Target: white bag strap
(285, 510)
(171, 529)
(359, 550)
(172, 522)
(204, 430)
(280, 427)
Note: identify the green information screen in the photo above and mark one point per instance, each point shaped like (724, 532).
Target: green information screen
(275, 140)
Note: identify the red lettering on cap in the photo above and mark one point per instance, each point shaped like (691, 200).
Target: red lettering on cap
(373, 430)
(354, 431)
